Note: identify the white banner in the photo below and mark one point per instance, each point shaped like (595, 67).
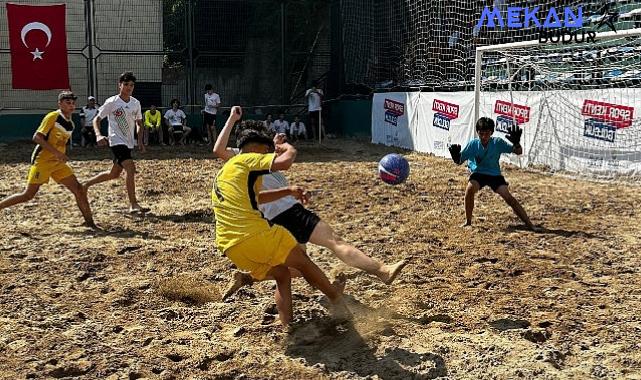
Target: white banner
(578, 131)
(392, 119)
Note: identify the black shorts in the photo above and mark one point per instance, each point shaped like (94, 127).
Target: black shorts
(177, 128)
(299, 221)
(493, 181)
(121, 153)
(210, 119)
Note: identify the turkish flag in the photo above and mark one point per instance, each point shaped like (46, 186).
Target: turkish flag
(38, 43)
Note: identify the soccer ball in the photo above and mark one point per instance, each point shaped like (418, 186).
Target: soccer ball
(393, 169)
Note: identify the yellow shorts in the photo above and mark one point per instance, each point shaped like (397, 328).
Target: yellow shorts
(40, 172)
(262, 252)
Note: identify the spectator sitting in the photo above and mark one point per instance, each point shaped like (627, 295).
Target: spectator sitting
(87, 114)
(297, 129)
(153, 125)
(269, 122)
(281, 125)
(177, 122)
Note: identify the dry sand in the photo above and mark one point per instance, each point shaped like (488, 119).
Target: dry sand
(142, 297)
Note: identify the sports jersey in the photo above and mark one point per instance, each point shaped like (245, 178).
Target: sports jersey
(122, 118)
(57, 131)
(175, 117)
(485, 160)
(273, 181)
(152, 120)
(235, 198)
(211, 101)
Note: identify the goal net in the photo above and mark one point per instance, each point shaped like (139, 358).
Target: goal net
(578, 103)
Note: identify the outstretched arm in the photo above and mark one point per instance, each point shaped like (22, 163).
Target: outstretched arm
(220, 147)
(297, 192)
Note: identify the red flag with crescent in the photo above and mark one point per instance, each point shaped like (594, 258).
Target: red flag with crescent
(38, 43)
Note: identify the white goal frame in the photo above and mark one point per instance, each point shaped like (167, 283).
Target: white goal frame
(524, 44)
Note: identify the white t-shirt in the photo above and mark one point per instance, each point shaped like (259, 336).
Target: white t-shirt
(280, 126)
(211, 102)
(122, 117)
(175, 117)
(273, 181)
(314, 99)
(297, 128)
(89, 114)
(271, 210)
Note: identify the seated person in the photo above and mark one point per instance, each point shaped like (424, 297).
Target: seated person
(269, 123)
(297, 129)
(87, 114)
(281, 125)
(153, 125)
(177, 122)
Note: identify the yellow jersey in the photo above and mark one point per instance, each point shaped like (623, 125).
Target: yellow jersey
(152, 120)
(235, 198)
(57, 131)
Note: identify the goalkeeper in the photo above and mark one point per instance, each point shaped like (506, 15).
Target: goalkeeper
(482, 155)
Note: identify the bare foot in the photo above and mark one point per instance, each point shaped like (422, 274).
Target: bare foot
(534, 228)
(90, 224)
(137, 209)
(239, 280)
(390, 272)
(339, 283)
(466, 224)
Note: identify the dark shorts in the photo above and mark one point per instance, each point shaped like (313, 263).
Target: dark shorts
(210, 119)
(493, 181)
(177, 128)
(299, 221)
(121, 154)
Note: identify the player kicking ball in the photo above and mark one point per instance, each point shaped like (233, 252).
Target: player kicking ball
(264, 250)
(482, 155)
(282, 204)
(49, 159)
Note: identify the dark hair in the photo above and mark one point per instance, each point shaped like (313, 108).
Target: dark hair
(485, 124)
(126, 77)
(253, 131)
(208, 87)
(174, 100)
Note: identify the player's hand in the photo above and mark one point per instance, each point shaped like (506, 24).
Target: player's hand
(280, 138)
(299, 193)
(514, 135)
(236, 113)
(101, 141)
(455, 152)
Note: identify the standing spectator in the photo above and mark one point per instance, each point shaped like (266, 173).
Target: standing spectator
(153, 125)
(177, 122)
(269, 123)
(87, 114)
(281, 125)
(314, 98)
(297, 129)
(212, 102)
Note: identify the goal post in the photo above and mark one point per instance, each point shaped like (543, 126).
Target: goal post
(579, 103)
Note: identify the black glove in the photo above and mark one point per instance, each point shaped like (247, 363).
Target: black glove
(455, 152)
(514, 135)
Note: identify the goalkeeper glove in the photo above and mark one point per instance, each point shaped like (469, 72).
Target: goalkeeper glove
(514, 135)
(455, 152)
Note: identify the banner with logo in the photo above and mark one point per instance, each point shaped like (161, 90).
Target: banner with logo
(38, 44)
(392, 119)
(444, 118)
(579, 131)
